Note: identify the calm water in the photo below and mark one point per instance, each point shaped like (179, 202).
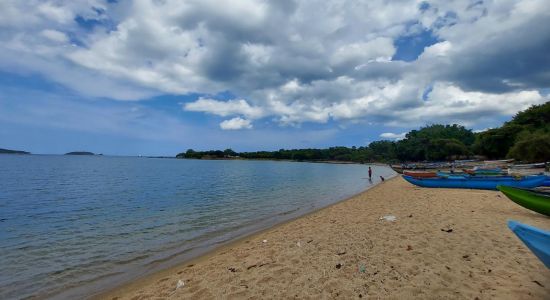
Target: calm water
(72, 225)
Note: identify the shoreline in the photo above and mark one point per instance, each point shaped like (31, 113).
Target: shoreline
(341, 162)
(345, 250)
(218, 247)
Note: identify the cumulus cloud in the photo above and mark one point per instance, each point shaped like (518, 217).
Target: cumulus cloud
(481, 130)
(393, 136)
(236, 124)
(224, 108)
(291, 61)
(55, 35)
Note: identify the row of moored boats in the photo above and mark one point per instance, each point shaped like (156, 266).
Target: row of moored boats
(530, 189)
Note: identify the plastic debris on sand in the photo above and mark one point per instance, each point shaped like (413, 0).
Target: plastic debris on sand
(389, 218)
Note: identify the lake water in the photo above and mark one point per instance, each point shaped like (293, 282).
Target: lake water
(71, 226)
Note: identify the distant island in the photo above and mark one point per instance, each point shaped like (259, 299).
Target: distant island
(79, 153)
(8, 151)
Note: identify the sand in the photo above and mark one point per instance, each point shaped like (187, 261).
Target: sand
(444, 244)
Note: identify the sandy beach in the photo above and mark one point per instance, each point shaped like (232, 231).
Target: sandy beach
(444, 244)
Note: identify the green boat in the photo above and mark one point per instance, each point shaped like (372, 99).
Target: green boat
(533, 200)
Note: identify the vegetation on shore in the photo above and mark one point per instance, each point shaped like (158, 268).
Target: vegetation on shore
(8, 151)
(525, 138)
(79, 153)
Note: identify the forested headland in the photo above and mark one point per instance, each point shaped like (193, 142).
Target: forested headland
(8, 151)
(525, 138)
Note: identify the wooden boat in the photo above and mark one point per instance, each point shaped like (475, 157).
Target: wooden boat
(530, 199)
(476, 182)
(397, 168)
(525, 172)
(420, 166)
(529, 166)
(537, 240)
(509, 160)
(450, 173)
(420, 174)
(481, 171)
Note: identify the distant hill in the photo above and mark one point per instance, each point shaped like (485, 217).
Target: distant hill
(79, 153)
(8, 151)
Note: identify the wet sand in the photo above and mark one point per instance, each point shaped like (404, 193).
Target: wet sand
(444, 243)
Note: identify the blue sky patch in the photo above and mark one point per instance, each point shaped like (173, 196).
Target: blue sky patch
(427, 92)
(410, 47)
(424, 6)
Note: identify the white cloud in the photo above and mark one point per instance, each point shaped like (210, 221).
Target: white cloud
(236, 123)
(393, 136)
(54, 35)
(292, 62)
(224, 108)
(55, 13)
(352, 55)
(448, 103)
(440, 49)
(481, 130)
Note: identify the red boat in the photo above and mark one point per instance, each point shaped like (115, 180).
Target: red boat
(420, 174)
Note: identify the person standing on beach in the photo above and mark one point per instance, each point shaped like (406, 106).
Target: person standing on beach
(370, 173)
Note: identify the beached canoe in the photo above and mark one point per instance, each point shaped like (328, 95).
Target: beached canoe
(420, 174)
(476, 182)
(460, 173)
(530, 166)
(487, 172)
(525, 172)
(530, 199)
(397, 168)
(537, 240)
(446, 174)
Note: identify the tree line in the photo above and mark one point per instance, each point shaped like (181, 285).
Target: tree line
(525, 138)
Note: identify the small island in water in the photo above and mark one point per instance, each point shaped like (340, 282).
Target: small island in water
(79, 153)
(8, 151)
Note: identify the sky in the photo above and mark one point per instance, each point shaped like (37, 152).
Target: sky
(157, 77)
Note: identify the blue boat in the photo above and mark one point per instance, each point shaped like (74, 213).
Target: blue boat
(447, 174)
(482, 170)
(537, 240)
(477, 182)
(546, 182)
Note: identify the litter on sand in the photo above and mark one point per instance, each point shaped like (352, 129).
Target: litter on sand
(389, 218)
(264, 241)
(179, 285)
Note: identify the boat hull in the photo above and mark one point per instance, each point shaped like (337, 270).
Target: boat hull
(537, 240)
(483, 172)
(529, 199)
(483, 183)
(420, 174)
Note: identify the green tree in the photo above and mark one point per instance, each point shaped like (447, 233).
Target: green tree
(531, 147)
(190, 153)
(446, 149)
(382, 150)
(425, 143)
(495, 143)
(536, 117)
(229, 152)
